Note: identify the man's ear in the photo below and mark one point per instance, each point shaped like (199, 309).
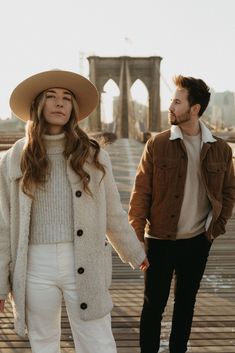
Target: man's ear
(195, 109)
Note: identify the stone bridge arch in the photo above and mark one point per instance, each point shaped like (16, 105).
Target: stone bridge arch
(124, 71)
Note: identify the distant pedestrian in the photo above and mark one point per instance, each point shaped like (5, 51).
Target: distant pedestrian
(183, 195)
(58, 202)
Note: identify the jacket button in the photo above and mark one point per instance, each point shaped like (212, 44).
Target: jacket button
(172, 215)
(83, 306)
(80, 232)
(81, 270)
(176, 196)
(78, 193)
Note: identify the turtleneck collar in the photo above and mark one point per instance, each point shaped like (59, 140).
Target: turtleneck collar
(55, 144)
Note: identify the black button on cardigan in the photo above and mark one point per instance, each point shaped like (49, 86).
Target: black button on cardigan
(83, 306)
(81, 270)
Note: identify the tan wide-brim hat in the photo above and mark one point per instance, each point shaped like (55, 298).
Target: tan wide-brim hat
(84, 91)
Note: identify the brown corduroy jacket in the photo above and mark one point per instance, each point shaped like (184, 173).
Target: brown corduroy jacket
(158, 191)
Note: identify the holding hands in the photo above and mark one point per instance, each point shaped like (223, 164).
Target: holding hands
(145, 265)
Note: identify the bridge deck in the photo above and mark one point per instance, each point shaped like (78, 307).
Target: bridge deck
(214, 321)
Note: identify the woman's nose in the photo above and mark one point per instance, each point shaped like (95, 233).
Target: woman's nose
(59, 102)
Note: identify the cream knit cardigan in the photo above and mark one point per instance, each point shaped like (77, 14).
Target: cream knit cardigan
(98, 216)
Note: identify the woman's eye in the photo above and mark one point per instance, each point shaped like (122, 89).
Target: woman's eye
(67, 99)
(50, 96)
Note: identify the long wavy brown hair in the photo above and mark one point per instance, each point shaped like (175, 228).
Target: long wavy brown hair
(35, 165)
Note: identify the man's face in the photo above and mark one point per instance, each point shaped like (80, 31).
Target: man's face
(179, 110)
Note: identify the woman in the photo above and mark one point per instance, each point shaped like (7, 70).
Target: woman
(58, 202)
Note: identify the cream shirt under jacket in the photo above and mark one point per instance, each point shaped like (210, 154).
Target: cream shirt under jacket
(95, 217)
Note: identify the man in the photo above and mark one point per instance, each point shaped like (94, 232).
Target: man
(183, 195)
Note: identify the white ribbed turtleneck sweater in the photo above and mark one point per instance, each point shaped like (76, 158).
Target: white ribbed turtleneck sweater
(52, 216)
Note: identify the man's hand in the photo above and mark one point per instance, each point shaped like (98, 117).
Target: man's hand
(210, 238)
(145, 265)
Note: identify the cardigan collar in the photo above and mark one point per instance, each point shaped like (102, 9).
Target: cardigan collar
(14, 158)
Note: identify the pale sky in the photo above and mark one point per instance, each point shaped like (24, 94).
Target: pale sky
(194, 37)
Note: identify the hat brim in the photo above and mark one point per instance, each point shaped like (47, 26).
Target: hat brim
(84, 91)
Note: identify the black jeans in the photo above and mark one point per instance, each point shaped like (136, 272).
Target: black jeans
(187, 260)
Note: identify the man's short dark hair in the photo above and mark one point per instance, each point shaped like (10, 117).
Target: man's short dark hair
(198, 91)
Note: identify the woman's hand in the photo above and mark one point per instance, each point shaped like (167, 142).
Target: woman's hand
(145, 265)
(2, 305)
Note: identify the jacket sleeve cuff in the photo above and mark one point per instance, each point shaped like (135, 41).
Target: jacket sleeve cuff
(218, 228)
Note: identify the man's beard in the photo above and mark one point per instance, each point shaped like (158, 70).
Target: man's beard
(180, 119)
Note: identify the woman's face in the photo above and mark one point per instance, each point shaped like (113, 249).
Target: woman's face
(57, 109)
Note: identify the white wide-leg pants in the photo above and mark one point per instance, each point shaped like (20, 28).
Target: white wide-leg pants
(51, 275)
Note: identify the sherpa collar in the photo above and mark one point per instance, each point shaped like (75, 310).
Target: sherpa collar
(205, 132)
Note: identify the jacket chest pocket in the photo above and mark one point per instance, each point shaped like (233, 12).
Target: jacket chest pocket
(166, 172)
(215, 174)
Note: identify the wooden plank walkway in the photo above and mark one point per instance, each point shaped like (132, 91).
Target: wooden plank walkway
(214, 320)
